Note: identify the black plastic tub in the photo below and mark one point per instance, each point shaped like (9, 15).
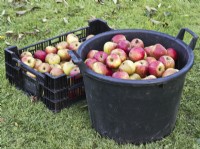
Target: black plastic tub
(135, 111)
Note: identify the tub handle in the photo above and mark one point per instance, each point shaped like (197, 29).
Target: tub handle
(193, 41)
(75, 57)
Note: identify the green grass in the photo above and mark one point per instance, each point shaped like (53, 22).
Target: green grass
(26, 124)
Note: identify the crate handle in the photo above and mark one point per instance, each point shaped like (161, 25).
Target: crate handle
(193, 41)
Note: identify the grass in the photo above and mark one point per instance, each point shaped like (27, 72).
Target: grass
(26, 124)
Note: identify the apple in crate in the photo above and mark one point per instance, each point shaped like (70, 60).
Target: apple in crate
(54, 59)
(89, 62)
(113, 61)
(169, 71)
(56, 65)
(37, 63)
(156, 68)
(48, 56)
(68, 66)
(74, 45)
(40, 54)
(149, 77)
(118, 37)
(101, 56)
(75, 72)
(30, 74)
(89, 36)
(167, 61)
(51, 49)
(136, 42)
(109, 46)
(128, 66)
(72, 38)
(157, 51)
(64, 55)
(100, 68)
(91, 53)
(44, 67)
(120, 75)
(135, 76)
(136, 54)
(62, 45)
(121, 53)
(25, 53)
(172, 53)
(56, 71)
(124, 45)
(142, 68)
(29, 61)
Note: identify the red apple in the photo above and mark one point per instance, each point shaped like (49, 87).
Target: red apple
(172, 53)
(121, 54)
(72, 38)
(120, 75)
(91, 53)
(135, 76)
(136, 42)
(156, 68)
(54, 59)
(157, 51)
(29, 61)
(90, 61)
(44, 67)
(56, 71)
(148, 50)
(136, 54)
(51, 49)
(124, 45)
(118, 37)
(167, 61)
(113, 61)
(64, 55)
(128, 66)
(62, 45)
(169, 71)
(101, 56)
(37, 63)
(150, 59)
(109, 46)
(74, 72)
(74, 45)
(40, 54)
(142, 68)
(149, 77)
(100, 68)
(25, 53)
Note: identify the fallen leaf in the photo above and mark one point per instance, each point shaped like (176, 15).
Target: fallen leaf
(58, 1)
(3, 13)
(115, 1)
(44, 20)
(65, 2)
(33, 98)
(16, 124)
(155, 21)
(159, 5)
(9, 33)
(65, 20)
(19, 13)
(20, 36)
(8, 19)
(100, 1)
(2, 37)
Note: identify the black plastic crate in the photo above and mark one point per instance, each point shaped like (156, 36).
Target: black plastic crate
(56, 92)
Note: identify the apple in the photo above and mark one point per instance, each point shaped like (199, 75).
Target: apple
(74, 45)
(157, 51)
(113, 61)
(118, 37)
(149, 77)
(55, 65)
(100, 68)
(109, 46)
(62, 45)
(40, 54)
(25, 53)
(136, 42)
(135, 76)
(169, 71)
(89, 36)
(121, 53)
(37, 63)
(124, 45)
(150, 59)
(64, 55)
(90, 61)
(167, 61)
(68, 66)
(128, 66)
(156, 68)
(148, 50)
(48, 56)
(44, 67)
(72, 38)
(172, 53)
(101, 56)
(56, 71)
(54, 59)
(91, 53)
(50, 49)
(75, 71)
(136, 54)
(141, 68)
(29, 61)
(120, 75)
